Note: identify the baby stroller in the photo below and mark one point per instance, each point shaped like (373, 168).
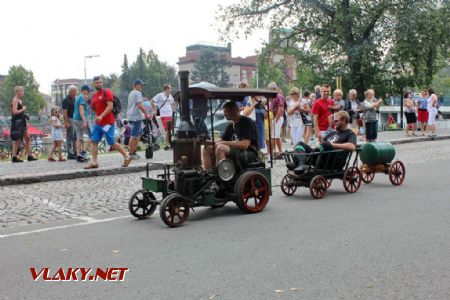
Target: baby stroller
(150, 137)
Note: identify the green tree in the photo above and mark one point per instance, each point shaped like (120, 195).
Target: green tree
(154, 72)
(354, 37)
(441, 82)
(125, 80)
(112, 82)
(268, 73)
(211, 67)
(422, 40)
(19, 76)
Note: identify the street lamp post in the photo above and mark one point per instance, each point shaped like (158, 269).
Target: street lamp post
(85, 72)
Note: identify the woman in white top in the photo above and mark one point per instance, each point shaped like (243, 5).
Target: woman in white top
(432, 112)
(297, 105)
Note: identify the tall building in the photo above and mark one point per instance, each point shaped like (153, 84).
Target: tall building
(240, 70)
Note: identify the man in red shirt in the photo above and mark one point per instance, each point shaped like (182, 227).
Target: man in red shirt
(102, 104)
(321, 113)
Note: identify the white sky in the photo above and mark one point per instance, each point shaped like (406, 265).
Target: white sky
(51, 38)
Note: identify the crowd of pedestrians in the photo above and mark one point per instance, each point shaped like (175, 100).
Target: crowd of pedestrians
(72, 123)
(300, 117)
(308, 118)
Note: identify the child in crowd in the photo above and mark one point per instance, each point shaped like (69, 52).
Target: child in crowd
(57, 134)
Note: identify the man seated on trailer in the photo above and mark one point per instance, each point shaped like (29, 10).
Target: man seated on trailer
(342, 138)
(239, 141)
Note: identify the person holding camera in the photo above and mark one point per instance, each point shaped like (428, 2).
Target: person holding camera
(19, 125)
(370, 107)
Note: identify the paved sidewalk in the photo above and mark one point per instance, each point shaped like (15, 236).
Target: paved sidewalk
(43, 171)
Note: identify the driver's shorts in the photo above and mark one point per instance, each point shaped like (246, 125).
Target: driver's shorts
(243, 157)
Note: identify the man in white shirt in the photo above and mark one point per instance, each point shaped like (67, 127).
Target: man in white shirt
(165, 103)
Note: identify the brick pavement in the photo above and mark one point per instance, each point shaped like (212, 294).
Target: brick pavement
(45, 202)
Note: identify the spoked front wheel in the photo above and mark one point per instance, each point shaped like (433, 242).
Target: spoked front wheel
(287, 186)
(142, 204)
(252, 192)
(318, 187)
(352, 180)
(174, 210)
(397, 173)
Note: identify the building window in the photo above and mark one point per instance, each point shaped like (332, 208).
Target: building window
(244, 75)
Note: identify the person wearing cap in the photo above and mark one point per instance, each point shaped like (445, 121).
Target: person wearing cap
(81, 122)
(166, 105)
(136, 113)
(102, 103)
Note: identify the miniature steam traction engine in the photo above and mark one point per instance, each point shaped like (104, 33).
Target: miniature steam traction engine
(184, 184)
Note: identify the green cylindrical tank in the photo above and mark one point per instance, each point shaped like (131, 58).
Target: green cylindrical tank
(377, 153)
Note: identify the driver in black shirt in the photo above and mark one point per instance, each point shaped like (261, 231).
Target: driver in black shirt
(239, 140)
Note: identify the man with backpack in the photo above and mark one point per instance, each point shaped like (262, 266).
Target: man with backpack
(136, 113)
(103, 105)
(164, 105)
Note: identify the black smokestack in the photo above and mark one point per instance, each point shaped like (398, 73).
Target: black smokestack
(185, 129)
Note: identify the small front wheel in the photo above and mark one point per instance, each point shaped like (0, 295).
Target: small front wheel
(367, 177)
(287, 187)
(352, 180)
(252, 192)
(142, 204)
(174, 210)
(318, 187)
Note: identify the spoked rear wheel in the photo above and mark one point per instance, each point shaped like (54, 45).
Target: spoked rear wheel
(142, 204)
(252, 192)
(318, 187)
(174, 210)
(397, 173)
(352, 180)
(287, 187)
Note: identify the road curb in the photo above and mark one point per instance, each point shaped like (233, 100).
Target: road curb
(419, 139)
(16, 180)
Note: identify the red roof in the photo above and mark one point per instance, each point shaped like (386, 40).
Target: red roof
(31, 130)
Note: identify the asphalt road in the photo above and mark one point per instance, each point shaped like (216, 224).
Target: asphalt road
(382, 242)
